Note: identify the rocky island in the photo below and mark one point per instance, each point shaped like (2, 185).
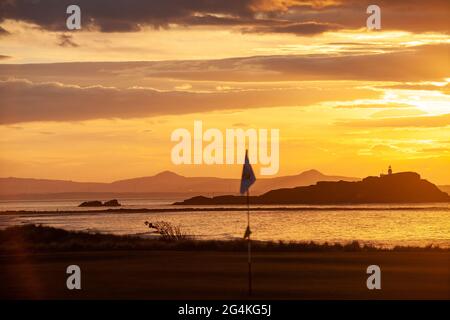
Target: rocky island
(402, 187)
(96, 203)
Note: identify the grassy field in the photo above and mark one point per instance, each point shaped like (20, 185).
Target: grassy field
(223, 275)
(33, 265)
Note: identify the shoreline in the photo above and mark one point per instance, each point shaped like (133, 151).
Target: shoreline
(39, 238)
(332, 207)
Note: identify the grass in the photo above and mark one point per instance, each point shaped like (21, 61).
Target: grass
(38, 238)
(168, 231)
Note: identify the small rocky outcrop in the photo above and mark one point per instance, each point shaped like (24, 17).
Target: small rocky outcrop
(112, 203)
(96, 203)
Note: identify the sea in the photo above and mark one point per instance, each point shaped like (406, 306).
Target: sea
(378, 224)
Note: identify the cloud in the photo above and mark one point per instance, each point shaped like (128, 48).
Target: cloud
(407, 15)
(418, 64)
(121, 15)
(184, 87)
(407, 65)
(352, 105)
(66, 40)
(2, 57)
(419, 122)
(383, 148)
(26, 101)
(288, 16)
(3, 31)
(439, 150)
(297, 28)
(419, 86)
(403, 112)
(393, 66)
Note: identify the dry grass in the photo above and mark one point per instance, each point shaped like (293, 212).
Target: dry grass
(168, 231)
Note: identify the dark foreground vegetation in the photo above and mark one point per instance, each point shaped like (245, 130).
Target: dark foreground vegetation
(34, 260)
(36, 238)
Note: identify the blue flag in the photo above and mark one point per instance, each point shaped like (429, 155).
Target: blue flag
(248, 177)
(247, 233)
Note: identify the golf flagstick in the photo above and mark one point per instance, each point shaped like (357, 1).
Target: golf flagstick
(249, 247)
(247, 179)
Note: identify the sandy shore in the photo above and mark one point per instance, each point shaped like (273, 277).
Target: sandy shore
(223, 275)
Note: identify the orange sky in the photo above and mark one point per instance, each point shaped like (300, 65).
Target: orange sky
(347, 101)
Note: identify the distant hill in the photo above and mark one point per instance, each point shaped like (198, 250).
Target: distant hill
(163, 184)
(445, 189)
(402, 187)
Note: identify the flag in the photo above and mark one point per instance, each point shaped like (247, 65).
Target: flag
(248, 177)
(247, 233)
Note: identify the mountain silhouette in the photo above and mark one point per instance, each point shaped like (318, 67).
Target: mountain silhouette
(445, 188)
(402, 187)
(164, 183)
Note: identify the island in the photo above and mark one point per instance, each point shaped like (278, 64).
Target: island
(402, 187)
(96, 203)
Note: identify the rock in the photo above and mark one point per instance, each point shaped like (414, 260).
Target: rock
(94, 203)
(112, 203)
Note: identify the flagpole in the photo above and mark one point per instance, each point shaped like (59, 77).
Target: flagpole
(249, 247)
(247, 179)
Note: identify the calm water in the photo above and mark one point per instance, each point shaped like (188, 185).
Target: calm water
(378, 224)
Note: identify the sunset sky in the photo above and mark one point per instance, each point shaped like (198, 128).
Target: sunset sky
(100, 103)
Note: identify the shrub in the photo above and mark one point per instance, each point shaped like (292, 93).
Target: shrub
(168, 231)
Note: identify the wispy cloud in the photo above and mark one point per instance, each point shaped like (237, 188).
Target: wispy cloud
(422, 63)
(53, 101)
(398, 122)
